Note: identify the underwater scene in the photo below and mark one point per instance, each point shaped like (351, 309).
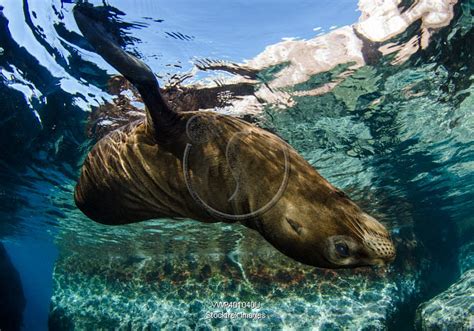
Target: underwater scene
(237, 165)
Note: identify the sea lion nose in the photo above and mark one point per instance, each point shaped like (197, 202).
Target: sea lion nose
(382, 246)
(386, 250)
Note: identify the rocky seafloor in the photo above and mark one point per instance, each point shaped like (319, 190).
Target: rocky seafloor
(451, 310)
(176, 282)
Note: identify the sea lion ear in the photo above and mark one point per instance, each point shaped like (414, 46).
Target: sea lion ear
(161, 120)
(298, 228)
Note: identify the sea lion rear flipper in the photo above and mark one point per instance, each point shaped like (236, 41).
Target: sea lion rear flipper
(159, 115)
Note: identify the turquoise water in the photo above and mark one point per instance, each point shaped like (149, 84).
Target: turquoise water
(398, 138)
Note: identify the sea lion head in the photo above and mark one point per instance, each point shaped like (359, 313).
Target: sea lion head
(334, 233)
(319, 225)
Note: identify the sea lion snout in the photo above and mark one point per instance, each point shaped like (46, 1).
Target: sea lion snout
(382, 246)
(377, 239)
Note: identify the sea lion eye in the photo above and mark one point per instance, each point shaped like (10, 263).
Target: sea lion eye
(342, 249)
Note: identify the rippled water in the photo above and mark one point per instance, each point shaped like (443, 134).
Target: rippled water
(397, 137)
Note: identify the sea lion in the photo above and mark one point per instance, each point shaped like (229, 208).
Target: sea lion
(216, 168)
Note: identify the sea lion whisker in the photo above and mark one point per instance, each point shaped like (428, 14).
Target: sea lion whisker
(356, 227)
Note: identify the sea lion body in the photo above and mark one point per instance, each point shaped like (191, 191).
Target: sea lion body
(216, 168)
(140, 172)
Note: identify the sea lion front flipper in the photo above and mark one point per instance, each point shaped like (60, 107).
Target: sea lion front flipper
(163, 120)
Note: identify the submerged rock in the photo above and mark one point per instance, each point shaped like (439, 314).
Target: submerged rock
(451, 310)
(466, 257)
(156, 280)
(12, 299)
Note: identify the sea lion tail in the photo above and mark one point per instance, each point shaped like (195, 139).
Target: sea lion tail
(163, 119)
